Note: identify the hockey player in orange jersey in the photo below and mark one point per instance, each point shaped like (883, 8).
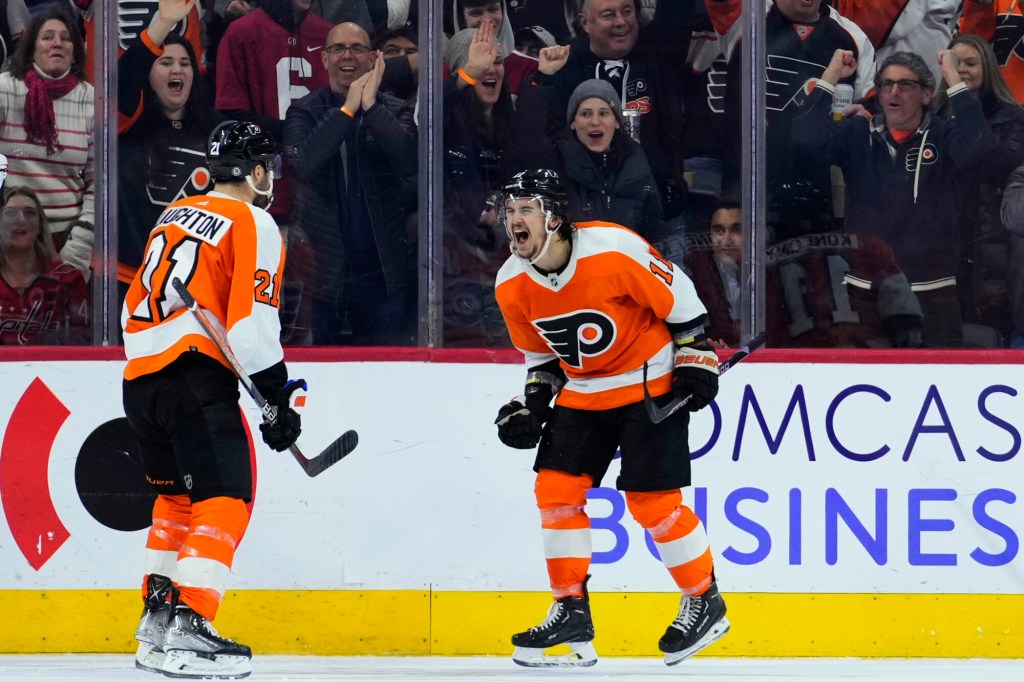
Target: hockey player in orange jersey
(181, 397)
(588, 305)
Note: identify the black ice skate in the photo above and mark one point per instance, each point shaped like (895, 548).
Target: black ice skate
(193, 649)
(701, 621)
(161, 597)
(568, 622)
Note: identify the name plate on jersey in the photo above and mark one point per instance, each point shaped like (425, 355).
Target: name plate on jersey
(795, 247)
(210, 227)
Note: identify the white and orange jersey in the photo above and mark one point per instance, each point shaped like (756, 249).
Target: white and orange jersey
(230, 255)
(603, 316)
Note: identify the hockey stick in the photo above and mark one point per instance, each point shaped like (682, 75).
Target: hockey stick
(333, 453)
(660, 414)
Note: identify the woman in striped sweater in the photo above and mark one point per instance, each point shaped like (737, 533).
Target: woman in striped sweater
(46, 130)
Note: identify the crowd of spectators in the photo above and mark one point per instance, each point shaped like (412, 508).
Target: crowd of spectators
(894, 220)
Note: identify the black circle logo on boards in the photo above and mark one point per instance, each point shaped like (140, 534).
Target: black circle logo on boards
(110, 481)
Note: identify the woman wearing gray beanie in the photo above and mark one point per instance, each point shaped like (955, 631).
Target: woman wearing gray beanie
(606, 173)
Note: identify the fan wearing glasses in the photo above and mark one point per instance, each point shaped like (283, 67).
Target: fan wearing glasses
(902, 169)
(353, 148)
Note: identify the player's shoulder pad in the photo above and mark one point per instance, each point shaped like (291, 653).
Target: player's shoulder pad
(510, 269)
(596, 237)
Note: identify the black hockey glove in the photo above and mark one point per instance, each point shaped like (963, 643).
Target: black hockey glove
(282, 433)
(520, 422)
(519, 426)
(696, 374)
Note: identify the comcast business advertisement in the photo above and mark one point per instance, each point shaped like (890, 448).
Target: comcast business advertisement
(837, 478)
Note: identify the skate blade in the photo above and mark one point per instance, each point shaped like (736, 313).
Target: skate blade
(193, 665)
(149, 658)
(716, 632)
(583, 655)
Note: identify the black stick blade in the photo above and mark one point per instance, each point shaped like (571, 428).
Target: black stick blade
(333, 453)
(652, 410)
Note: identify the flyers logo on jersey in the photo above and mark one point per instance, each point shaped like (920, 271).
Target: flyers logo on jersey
(584, 333)
(210, 227)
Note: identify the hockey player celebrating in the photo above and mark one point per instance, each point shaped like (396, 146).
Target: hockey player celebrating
(181, 397)
(588, 305)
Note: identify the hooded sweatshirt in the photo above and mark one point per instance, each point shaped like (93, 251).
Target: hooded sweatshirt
(903, 192)
(518, 66)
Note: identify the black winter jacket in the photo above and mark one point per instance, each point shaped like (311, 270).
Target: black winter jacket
(904, 193)
(616, 186)
(652, 85)
(385, 154)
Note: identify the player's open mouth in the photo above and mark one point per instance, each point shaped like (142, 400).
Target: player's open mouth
(521, 236)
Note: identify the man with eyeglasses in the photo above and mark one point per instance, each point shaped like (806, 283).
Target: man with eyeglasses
(901, 169)
(353, 149)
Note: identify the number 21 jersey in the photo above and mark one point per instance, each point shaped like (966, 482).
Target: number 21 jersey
(230, 255)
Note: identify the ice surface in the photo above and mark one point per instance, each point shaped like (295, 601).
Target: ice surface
(108, 668)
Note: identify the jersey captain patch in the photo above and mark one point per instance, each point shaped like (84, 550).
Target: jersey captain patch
(578, 334)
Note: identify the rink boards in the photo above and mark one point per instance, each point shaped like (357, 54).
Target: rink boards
(857, 505)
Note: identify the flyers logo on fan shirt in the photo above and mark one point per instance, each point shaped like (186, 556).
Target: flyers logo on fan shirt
(230, 256)
(603, 316)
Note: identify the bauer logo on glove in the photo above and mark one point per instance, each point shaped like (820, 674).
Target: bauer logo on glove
(695, 357)
(696, 375)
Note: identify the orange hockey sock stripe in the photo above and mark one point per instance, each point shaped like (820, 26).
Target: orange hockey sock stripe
(566, 576)
(204, 562)
(216, 528)
(204, 601)
(662, 513)
(561, 498)
(678, 535)
(171, 514)
(557, 489)
(693, 577)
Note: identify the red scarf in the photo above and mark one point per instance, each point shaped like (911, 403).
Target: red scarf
(40, 121)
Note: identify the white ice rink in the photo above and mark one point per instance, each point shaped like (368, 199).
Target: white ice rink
(108, 668)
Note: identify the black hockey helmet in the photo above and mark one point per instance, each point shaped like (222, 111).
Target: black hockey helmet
(235, 147)
(541, 183)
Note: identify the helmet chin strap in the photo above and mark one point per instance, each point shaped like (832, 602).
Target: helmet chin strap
(267, 194)
(548, 231)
